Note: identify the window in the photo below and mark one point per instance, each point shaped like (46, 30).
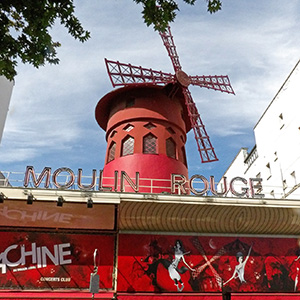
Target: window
(170, 129)
(149, 126)
(269, 174)
(128, 127)
(150, 144)
(113, 134)
(293, 174)
(170, 148)
(111, 152)
(284, 184)
(128, 145)
(281, 124)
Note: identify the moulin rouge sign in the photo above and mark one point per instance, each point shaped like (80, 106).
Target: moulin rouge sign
(238, 186)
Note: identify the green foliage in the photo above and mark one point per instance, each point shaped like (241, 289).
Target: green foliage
(24, 32)
(25, 24)
(214, 5)
(161, 12)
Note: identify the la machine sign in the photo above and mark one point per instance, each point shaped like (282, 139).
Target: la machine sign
(179, 184)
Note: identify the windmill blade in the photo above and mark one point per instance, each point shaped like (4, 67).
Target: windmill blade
(205, 147)
(219, 83)
(126, 74)
(168, 41)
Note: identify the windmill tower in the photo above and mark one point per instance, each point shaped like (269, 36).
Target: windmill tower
(147, 119)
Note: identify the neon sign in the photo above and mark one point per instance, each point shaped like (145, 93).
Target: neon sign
(179, 184)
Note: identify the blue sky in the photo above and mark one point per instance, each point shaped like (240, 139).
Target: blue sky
(51, 118)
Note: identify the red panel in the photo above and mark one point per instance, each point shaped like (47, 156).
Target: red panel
(151, 263)
(171, 297)
(53, 295)
(216, 296)
(265, 297)
(86, 295)
(30, 261)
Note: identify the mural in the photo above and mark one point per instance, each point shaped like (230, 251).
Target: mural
(150, 263)
(53, 261)
(161, 263)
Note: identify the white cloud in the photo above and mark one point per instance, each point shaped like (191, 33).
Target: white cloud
(256, 43)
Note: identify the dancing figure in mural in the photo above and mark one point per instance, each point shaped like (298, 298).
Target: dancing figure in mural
(239, 270)
(174, 272)
(297, 276)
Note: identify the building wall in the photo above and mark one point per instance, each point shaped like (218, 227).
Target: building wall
(276, 158)
(6, 87)
(47, 247)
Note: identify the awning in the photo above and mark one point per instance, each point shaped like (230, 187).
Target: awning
(64, 295)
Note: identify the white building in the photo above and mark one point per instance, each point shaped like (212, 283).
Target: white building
(6, 87)
(276, 156)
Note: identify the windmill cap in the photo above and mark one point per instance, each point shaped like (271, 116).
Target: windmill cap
(102, 111)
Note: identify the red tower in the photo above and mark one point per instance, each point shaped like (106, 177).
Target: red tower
(147, 120)
(146, 128)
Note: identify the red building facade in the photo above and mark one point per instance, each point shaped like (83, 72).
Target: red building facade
(153, 243)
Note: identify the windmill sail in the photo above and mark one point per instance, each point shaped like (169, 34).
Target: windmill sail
(126, 74)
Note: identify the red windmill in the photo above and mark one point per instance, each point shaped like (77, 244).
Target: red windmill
(126, 74)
